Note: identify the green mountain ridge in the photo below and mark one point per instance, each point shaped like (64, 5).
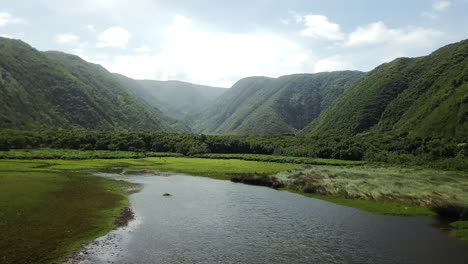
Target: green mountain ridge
(262, 105)
(178, 98)
(54, 89)
(424, 96)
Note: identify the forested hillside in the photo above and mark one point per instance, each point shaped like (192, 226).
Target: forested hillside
(178, 98)
(261, 105)
(425, 96)
(52, 89)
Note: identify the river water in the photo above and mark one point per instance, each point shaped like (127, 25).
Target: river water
(213, 221)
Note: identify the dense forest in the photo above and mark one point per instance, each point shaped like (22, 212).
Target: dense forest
(400, 148)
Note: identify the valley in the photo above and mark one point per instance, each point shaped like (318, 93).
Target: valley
(386, 148)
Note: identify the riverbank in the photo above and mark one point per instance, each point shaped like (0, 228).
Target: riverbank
(47, 215)
(33, 191)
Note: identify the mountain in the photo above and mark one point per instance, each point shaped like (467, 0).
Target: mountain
(285, 105)
(425, 96)
(178, 98)
(53, 89)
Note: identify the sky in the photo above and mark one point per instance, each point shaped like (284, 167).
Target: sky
(219, 42)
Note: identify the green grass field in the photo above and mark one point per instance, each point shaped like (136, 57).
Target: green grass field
(47, 215)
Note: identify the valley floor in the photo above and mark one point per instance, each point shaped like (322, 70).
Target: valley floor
(50, 207)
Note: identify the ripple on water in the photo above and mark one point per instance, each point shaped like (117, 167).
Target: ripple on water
(213, 221)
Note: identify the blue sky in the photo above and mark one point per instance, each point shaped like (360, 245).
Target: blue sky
(219, 42)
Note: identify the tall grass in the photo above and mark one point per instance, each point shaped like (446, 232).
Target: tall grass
(420, 187)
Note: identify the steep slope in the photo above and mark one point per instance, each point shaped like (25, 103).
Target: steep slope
(39, 90)
(260, 105)
(425, 96)
(153, 103)
(178, 98)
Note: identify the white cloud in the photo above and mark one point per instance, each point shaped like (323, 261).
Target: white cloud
(91, 28)
(193, 53)
(9, 19)
(143, 49)
(319, 27)
(437, 8)
(115, 37)
(441, 5)
(285, 21)
(66, 38)
(379, 33)
(430, 15)
(333, 63)
(6, 35)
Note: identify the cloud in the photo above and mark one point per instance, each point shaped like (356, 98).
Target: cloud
(319, 27)
(115, 37)
(66, 38)
(9, 19)
(379, 33)
(195, 53)
(437, 8)
(441, 6)
(6, 35)
(91, 28)
(143, 49)
(333, 63)
(285, 21)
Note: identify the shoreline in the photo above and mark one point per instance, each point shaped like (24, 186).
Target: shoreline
(77, 173)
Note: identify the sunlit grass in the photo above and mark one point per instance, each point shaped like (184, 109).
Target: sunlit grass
(421, 187)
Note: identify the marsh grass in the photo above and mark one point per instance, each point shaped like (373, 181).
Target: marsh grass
(410, 186)
(48, 215)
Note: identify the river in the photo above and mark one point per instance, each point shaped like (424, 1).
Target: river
(214, 221)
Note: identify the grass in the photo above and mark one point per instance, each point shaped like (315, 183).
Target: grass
(372, 206)
(460, 230)
(46, 215)
(412, 186)
(283, 159)
(73, 154)
(218, 169)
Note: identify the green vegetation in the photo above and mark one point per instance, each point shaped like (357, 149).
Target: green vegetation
(282, 159)
(391, 148)
(48, 214)
(179, 98)
(52, 89)
(410, 112)
(80, 154)
(424, 96)
(167, 194)
(265, 106)
(460, 230)
(48, 210)
(32, 191)
(372, 206)
(413, 187)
